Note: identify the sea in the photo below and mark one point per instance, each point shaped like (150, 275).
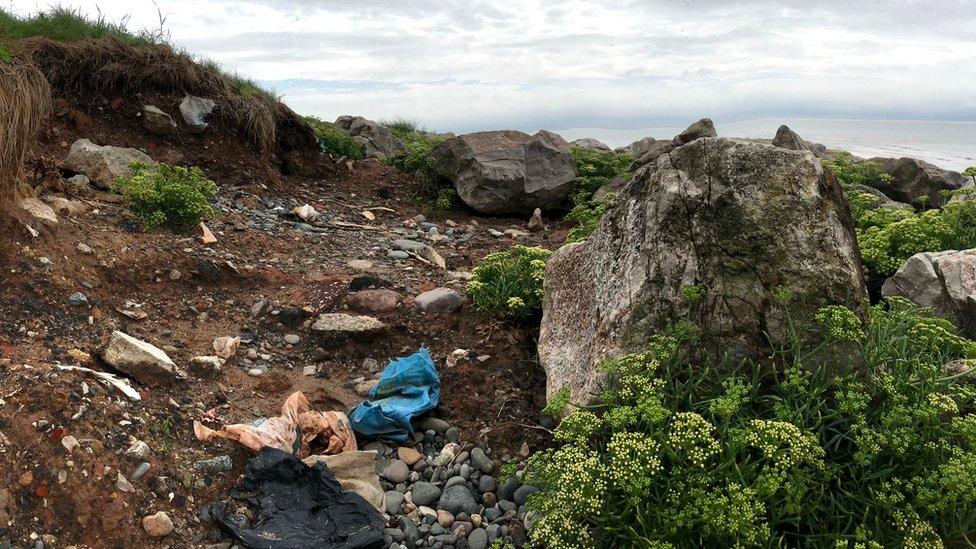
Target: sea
(949, 145)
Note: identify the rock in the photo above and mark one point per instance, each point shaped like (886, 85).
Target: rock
(435, 424)
(103, 164)
(195, 111)
(523, 493)
(444, 518)
(478, 539)
(615, 186)
(204, 234)
(408, 455)
(695, 218)
(38, 212)
(219, 464)
(341, 323)
(157, 122)
(655, 151)
(373, 301)
(457, 499)
(942, 281)
(158, 525)
(788, 139)
(226, 346)
(480, 460)
(206, 365)
(698, 130)
(123, 484)
(912, 178)
(439, 301)
(70, 443)
(637, 148)
(77, 299)
(79, 180)
(396, 472)
(138, 451)
(535, 223)
(375, 139)
(591, 144)
(507, 172)
(65, 206)
(144, 362)
(394, 500)
(359, 264)
(425, 493)
(408, 245)
(398, 254)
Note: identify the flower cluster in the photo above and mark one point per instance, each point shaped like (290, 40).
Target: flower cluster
(840, 323)
(728, 404)
(574, 485)
(577, 427)
(692, 437)
(634, 461)
(784, 444)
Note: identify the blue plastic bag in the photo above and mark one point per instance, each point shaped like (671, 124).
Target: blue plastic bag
(408, 387)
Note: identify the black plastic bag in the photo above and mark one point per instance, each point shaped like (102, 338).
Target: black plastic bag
(298, 507)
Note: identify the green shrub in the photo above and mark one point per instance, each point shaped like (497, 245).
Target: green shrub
(165, 195)
(508, 285)
(403, 128)
(970, 172)
(595, 169)
(587, 217)
(333, 140)
(857, 172)
(851, 436)
(887, 237)
(415, 159)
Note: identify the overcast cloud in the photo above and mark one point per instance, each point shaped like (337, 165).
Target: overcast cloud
(527, 64)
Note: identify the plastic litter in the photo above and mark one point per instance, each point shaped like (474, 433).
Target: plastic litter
(195, 110)
(355, 471)
(297, 507)
(298, 429)
(111, 379)
(408, 387)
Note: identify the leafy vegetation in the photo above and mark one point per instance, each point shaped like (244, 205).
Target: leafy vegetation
(508, 285)
(851, 436)
(67, 24)
(334, 140)
(170, 196)
(403, 128)
(855, 172)
(416, 160)
(887, 237)
(595, 169)
(970, 172)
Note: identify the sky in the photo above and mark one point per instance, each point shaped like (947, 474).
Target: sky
(465, 65)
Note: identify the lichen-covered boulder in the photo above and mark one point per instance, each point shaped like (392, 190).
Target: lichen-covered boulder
(943, 281)
(374, 139)
(591, 144)
(102, 164)
(912, 178)
(789, 139)
(737, 218)
(507, 172)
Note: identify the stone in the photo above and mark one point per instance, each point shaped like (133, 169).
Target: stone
(507, 172)
(445, 518)
(396, 471)
(138, 451)
(409, 455)
(70, 443)
(487, 483)
(380, 301)
(942, 281)
(740, 219)
(398, 254)
(375, 140)
(292, 339)
(435, 424)
(535, 223)
(656, 150)
(439, 301)
(788, 139)
(359, 264)
(478, 539)
(157, 122)
(158, 525)
(341, 323)
(912, 178)
(480, 460)
(523, 493)
(219, 464)
(103, 164)
(637, 148)
(457, 499)
(38, 212)
(698, 130)
(425, 493)
(615, 186)
(206, 365)
(143, 361)
(65, 206)
(394, 500)
(590, 144)
(77, 299)
(195, 111)
(408, 245)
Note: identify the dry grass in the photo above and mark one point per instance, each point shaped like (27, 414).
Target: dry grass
(25, 98)
(111, 65)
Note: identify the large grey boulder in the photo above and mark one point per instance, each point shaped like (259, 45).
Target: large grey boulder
(591, 144)
(507, 172)
(789, 139)
(637, 148)
(655, 151)
(738, 218)
(912, 178)
(375, 139)
(142, 361)
(943, 281)
(103, 164)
